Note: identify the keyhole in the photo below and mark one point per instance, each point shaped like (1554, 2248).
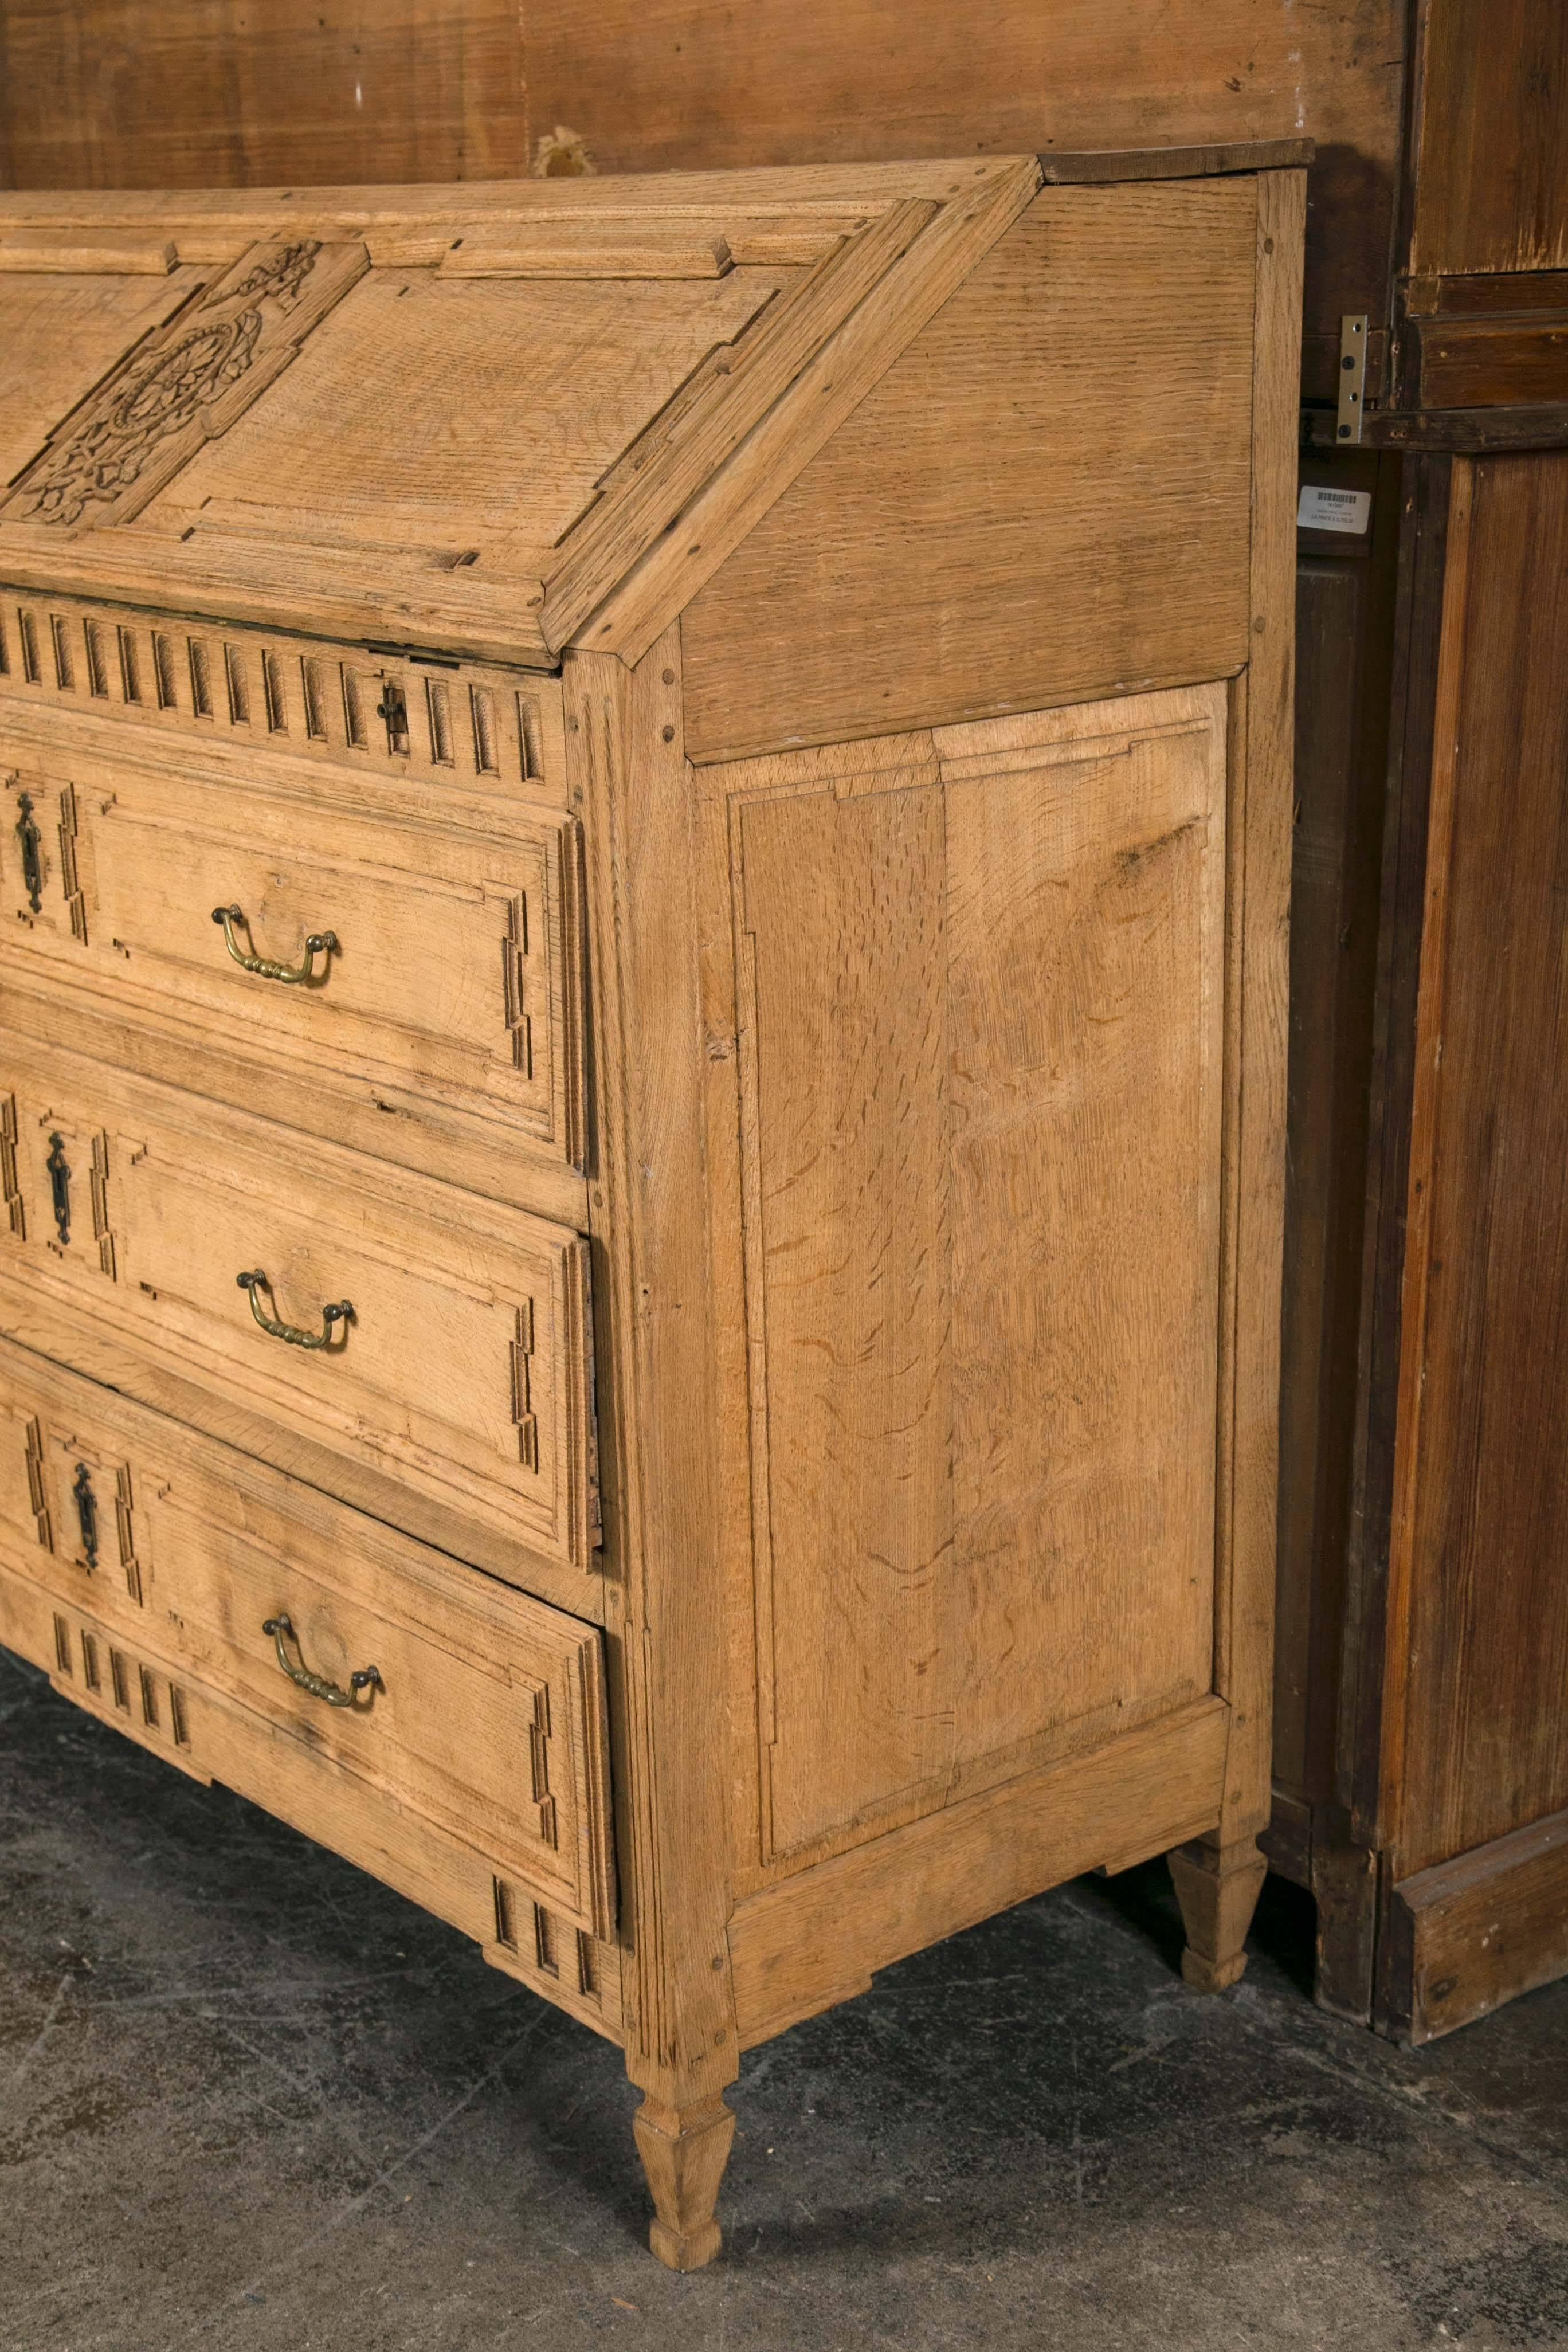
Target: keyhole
(394, 709)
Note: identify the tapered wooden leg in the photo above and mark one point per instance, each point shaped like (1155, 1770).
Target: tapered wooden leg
(1217, 1888)
(684, 2151)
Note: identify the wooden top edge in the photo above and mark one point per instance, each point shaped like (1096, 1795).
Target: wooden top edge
(786, 187)
(1108, 163)
(348, 595)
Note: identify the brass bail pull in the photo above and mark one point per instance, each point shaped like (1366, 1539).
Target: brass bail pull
(330, 1693)
(292, 975)
(339, 1311)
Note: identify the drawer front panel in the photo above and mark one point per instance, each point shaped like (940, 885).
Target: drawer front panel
(450, 962)
(214, 1739)
(462, 1365)
(486, 1716)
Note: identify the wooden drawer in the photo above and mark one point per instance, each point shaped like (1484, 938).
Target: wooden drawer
(454, 977)
(463, 1370)
(139, 1564)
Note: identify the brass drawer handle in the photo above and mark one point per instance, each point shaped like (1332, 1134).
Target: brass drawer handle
(319, 943)
(290, 1333)
(331, 1694)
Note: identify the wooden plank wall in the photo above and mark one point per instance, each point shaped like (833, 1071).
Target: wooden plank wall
(191, 93)
(171, 93)
(656, 83)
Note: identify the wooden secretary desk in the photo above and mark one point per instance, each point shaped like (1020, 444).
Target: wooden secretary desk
(644, 871)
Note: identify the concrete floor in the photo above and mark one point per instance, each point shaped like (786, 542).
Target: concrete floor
(249, 2099)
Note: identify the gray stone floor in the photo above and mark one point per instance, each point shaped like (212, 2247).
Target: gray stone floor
(249, 2099)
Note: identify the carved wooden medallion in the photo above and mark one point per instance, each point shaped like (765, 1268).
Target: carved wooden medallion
(184, 385)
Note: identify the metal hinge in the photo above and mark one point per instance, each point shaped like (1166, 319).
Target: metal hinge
(1352, 374)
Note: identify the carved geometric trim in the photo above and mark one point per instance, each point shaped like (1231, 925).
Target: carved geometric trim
(539, 1755)
(70, 881)
(37, 1494)
(123, 1690)
(202, 683)
(126, 1527)
(523, 1411)
(102, 1233)
(575, 1970)
(514, 977)
(184, 385)
(10, 1185)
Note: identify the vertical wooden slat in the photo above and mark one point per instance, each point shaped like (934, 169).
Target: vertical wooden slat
(1259, 834)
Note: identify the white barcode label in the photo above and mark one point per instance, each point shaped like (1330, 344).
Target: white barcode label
(1321, 509)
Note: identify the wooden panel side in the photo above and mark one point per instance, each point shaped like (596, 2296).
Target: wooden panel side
(819, 1939)
(1084, 915)
(1077, 411)
(975, 985)
(1492, 166)
(1482, 1490)
(842, 998)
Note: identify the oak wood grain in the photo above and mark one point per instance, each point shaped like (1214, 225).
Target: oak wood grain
(1258, 973)
(648, 1221)
(1102, 439)
(819, 1939)
(976, 974)
(487, 1718)
(464, 1369)
(212, 1738)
